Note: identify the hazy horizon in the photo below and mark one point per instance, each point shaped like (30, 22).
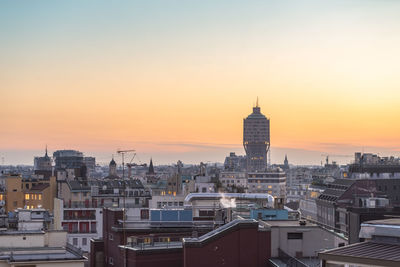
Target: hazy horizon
(205, 154)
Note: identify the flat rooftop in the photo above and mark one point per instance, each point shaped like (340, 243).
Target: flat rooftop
(155, 246)
(288, 223)
(22, 232)
(38, 254)
(384, 222)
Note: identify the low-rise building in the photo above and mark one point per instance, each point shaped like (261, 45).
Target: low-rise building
(381, 247)
(32, 192)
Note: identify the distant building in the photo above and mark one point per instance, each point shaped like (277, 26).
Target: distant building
(68, 159)
(286, 163)
(256, 140)
(235, 163)
(372, 166)
(112, 171)
(28, 193)
(232, 179)
(346, 203)
(42, 163)
(90, 163)
(272, 182)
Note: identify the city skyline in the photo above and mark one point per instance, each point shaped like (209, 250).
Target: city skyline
(325, 73)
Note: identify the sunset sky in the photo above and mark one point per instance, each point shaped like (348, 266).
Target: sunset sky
(174, 79)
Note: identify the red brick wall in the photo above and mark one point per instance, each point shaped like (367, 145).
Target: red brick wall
(157, 258)
(96, 247)
(240, 248)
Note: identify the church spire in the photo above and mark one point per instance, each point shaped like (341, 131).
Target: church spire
(151, 167)
(46, 156)
(286, 162)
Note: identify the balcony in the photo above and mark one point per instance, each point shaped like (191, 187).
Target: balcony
(80, 218)
(81, 204)
(76, 231)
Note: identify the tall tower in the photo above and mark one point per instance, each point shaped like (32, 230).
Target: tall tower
(256, 140)
(112, 171)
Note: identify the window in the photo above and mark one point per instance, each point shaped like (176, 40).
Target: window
(84, 241)
(294, 235)
(75, 241)
(111, 261)
(144, 214)
(26, 196)
(206, 213)
(110, 236)
(165, 239)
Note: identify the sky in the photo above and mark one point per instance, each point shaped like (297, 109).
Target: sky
(174, 79)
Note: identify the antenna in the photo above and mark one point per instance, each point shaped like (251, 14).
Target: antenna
(123, 152)
(257, 102)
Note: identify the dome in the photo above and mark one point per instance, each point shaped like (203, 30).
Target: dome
(112, 162)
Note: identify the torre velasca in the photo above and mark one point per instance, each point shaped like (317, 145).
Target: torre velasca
(256, 140)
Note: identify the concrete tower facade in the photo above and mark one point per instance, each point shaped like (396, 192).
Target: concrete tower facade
(256, 140)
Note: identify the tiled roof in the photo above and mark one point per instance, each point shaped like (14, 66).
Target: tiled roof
(39, 187)
(365, 251)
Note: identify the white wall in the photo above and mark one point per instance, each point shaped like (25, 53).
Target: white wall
(56, 238)
(166, 198)
(17, 240)
(314, 239)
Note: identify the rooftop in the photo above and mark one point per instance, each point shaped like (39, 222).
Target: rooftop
(369, 253)
(31, 254)
(39, 187)
(194, 196)
(384, 222)
(288, 223)
(231, 226)
(155, 246)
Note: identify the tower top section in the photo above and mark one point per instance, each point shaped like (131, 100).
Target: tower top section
(256, 112)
